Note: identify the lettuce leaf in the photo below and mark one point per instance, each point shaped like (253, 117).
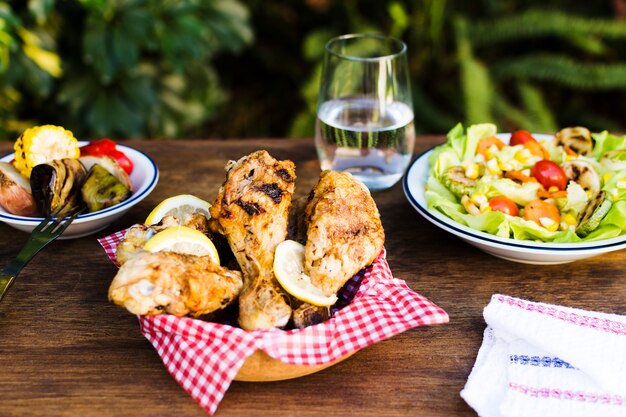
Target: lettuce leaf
(474, 134)
(605, 142)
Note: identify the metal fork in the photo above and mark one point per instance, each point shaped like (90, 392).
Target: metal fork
(47, 231)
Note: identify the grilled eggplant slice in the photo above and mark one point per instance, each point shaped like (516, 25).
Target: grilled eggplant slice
(590, 217)
(56, 186)
(102, 189)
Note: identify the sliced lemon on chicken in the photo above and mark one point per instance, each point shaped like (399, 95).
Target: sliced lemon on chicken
(183, 239)
(181, 206)
(289, 271)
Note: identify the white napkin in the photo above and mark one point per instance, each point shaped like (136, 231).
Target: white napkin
(546, 360)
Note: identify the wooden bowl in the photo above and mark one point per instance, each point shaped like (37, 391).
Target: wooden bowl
(260, 367)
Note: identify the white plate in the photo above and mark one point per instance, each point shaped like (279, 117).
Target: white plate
(144, 178)
(524, 251)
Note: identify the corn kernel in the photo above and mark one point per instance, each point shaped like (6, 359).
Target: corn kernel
(606, 177)
(479, 199)
(569, 219)
(549, 224)
(553, 189)
(569, 157)
(471, 170)
(469, 206)
(614, 194)
(485, 208)
(505, 166)
(492, 166)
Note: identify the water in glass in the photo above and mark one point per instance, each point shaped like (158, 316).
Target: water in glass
(368, 138)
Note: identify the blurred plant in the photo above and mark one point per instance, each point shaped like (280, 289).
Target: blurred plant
(122, 68)
(543, 87)
(518, 65)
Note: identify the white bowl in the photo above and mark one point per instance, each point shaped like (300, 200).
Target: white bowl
(524, 251)
(144, 178)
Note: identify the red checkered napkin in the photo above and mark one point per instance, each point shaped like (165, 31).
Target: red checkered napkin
(205, 357)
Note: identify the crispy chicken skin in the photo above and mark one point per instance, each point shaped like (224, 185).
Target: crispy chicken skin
(251, 211)
(344, 232)
(175, 283)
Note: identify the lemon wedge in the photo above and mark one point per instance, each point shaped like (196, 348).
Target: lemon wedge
(181, 206)
(183, 239)
(289, 271)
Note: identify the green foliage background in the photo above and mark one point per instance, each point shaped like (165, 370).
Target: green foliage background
(228, 68)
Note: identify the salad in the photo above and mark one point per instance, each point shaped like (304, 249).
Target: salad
(563, 188)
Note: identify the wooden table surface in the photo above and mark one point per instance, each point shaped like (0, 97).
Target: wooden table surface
(65, 351)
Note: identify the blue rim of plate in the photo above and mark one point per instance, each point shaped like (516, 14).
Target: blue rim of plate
(486, 237)
(146, 189)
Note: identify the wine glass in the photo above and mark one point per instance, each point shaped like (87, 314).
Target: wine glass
(364, 110)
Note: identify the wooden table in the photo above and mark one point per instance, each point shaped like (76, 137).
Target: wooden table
(66, 351)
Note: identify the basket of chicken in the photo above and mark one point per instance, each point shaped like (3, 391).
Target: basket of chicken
(295, 285)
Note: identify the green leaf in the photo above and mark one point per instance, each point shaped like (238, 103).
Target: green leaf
(96, 52)
(537, 109)
(314, 44)
(563, 70)
(125, 49)
(40, 9)
(475, 80)
(537, 23)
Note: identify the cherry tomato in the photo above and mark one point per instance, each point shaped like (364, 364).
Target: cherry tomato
(98, 147)
(122, 160)
(504, 204)
(537, 209)
(549, 174)
(486, 143)
(520, 137)
(523, 137)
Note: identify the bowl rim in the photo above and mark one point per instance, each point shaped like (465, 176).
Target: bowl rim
(137, 156)
(413, 188)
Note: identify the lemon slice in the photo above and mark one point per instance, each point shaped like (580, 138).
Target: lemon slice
(181, 206)
(183, 239)
(289, 271)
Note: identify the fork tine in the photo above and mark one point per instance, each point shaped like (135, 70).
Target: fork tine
(45, 221)
(64, 223)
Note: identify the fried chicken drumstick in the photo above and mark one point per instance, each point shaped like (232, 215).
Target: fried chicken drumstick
(344, 232)
(251, 211)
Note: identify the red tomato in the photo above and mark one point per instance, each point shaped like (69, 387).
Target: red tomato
(549, 174)
(98, 147)
(122, 160)
(520, 137)
(537, 209)
(503, 204)
(486, 143)
(107, 147)
(523, 137)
